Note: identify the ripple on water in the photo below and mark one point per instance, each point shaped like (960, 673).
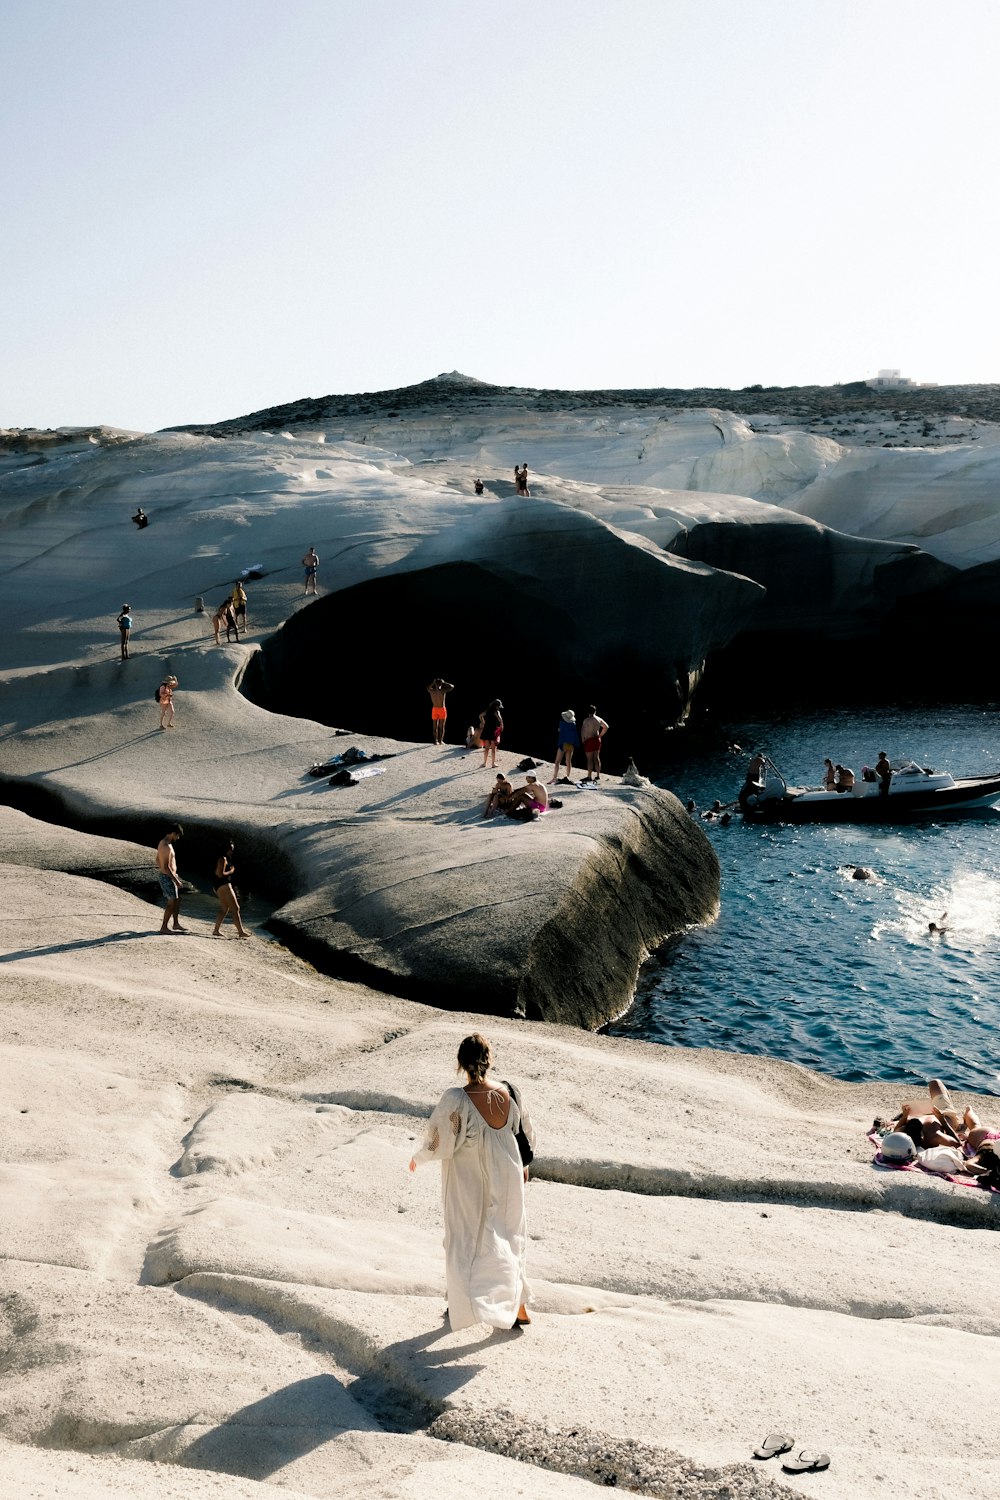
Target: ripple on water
(808, 964)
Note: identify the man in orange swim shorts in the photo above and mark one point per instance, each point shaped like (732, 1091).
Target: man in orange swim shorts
(438, 690)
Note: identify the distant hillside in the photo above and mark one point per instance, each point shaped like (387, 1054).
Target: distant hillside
(805, 404)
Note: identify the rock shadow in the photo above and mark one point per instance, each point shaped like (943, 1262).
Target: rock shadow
(265, 1436)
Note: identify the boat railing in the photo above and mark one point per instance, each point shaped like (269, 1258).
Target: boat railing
(770, 766)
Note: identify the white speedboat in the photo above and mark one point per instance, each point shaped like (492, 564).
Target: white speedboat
(913, 792)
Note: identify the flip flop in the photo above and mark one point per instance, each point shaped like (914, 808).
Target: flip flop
(775, 1442)
(807, 1463)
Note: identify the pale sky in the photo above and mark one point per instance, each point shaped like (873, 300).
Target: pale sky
(218, 206)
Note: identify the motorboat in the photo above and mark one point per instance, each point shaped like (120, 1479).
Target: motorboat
(913, 792)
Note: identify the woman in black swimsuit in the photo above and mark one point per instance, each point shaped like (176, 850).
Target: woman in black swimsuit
(228, 904)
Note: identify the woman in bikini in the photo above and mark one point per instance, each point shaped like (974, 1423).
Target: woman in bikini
(167, 702)
(228, 904)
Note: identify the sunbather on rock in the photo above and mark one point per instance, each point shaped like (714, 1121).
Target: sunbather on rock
(942, 1124)
(499, 798)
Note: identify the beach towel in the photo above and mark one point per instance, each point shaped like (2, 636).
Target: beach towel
(878, 1160)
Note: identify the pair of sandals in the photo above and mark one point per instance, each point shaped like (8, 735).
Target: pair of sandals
(806, 1463)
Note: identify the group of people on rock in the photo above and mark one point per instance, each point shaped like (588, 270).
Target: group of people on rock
(837, 778)
(231, 614)
(171, 885)
(530, 800)
(941, 1138)
(589, 737)
(570, 737)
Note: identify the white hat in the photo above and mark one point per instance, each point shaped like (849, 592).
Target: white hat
(569, 716)
(898, 1146)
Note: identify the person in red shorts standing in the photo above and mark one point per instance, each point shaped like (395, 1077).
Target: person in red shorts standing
(439, 690)
(592, 731)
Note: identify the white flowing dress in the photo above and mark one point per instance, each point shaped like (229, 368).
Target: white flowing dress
(482, 1189)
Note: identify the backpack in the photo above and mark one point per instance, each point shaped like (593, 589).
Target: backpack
(156, 695)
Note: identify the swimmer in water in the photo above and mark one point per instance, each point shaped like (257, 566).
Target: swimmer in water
(941, 925)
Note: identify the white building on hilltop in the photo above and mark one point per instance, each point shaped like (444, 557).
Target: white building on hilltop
(889, 380)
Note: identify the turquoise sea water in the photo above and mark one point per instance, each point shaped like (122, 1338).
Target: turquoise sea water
(806, 963)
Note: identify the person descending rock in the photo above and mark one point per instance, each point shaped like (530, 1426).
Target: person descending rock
(229, 906)
(521, 479)
(165, 698)
(475, 1133)
(311, 564)
(124, 628)
(592, 732)
(170, 883)
(439, 690)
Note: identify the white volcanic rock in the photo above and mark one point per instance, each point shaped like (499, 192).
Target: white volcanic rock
(212, 1259)
(946, 501)
(712, 1254)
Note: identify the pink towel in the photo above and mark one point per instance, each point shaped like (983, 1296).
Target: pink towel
(917, 1166)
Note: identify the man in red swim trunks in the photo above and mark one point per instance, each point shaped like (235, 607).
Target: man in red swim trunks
(592, 731)
(438, 690)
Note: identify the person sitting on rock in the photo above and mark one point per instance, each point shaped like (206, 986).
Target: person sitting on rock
(140, 518)
(499, 798)
(532, 795)
(479, 487)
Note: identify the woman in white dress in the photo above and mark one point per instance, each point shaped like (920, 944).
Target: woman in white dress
(473, 1134)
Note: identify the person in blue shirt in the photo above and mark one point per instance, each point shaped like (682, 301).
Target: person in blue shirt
(124, 627)
(567, 741)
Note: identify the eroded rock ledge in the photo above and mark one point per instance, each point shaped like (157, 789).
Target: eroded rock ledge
(547, 920)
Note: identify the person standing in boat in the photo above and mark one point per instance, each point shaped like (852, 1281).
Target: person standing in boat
(829, 776)
(883, 771)
(755, 779)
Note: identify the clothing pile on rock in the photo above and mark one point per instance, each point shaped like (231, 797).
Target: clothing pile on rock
(350, 757)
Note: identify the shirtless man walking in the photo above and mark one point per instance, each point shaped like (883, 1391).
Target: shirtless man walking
(170, 883)
(311, 564)
(439, 689)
